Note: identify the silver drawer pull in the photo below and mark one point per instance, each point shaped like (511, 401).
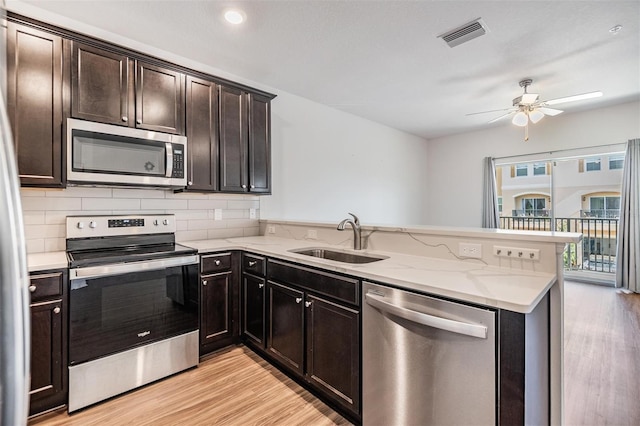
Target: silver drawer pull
(32, 288)
(252, 263)
(260, 285)
(217, 262)
(124, 118)
(307, 304)
(56, 310)
(204, 282)
(298, 299)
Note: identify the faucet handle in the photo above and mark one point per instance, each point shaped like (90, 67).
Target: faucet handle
(355, 219)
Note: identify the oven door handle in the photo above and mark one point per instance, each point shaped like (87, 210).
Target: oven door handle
(125, 268)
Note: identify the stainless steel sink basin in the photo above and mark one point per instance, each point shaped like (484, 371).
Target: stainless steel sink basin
(339, 256)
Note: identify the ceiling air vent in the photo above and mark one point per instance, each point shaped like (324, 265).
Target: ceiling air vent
(464, 33)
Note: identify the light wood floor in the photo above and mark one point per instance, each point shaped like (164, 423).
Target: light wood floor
(602, 356)
(233, 387)
(236, 387)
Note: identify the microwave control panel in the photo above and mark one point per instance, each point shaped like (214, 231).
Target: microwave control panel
(178, 161)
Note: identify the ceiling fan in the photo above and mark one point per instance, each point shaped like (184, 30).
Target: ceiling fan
(527, 107)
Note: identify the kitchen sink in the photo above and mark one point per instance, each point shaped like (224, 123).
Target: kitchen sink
(339, 256)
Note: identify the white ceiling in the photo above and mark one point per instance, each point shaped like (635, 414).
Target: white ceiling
(382, 60)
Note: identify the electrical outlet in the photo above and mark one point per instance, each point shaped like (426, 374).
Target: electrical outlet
(312, 234)
(217, 214)
(252, 213)
(271, 229)
(516, 252)
(470, 250)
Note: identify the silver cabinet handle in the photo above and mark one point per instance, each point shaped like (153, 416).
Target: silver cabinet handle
(307, 304)
(189, 183)
(32, 288)
(139, 121)
(382, 304)
(298, 299)
(217, 262)
(244, 186)
(125, 119)
(252, 263)
(204, 282)
(260, 285)
(253, 186)
(56, 310)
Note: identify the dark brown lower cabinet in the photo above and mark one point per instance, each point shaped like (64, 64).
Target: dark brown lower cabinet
(253, 291)
(286, 326)
(48, 342)
(333, 350)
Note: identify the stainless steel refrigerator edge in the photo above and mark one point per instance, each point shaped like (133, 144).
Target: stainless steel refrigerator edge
(426, 361)
(14, 296)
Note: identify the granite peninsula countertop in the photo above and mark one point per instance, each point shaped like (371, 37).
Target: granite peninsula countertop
(467, 280)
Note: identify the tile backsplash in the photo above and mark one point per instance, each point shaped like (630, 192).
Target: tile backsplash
(45, 212)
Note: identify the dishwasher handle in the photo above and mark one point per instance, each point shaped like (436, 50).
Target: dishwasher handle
(381, 303)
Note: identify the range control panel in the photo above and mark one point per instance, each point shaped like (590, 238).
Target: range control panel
(108, 226)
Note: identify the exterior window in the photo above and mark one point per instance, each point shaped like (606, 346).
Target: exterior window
(539, 169)
(616, 162)
(500, 204)
(592, 164)
(604, 207)
(534, 206)
(522, 170)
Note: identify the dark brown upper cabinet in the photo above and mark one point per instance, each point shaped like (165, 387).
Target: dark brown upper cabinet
(245, 142)
(34, 100)
(112, 88)
(202, 135)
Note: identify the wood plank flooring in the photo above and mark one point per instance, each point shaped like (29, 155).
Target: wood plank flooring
(602, 356)
(236, 387)
(232, 387)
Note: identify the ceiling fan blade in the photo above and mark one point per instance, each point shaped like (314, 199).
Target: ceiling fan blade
(502, 116)
(493, 110)
(550, 111)
(529, 98)
(573, 98)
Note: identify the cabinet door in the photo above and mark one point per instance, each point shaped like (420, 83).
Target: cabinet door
(100, 85)
(202, 134)
(233, 141)
(333, 351)
(46, 352)
(259, 144)
(34, 104)
(286, 326)
(253, 289)
(215, 321)
(159, 99)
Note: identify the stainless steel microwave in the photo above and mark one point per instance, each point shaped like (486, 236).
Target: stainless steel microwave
(104, 154)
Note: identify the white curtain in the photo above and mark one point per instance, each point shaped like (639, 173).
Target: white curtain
(490, 213)
(628, 249)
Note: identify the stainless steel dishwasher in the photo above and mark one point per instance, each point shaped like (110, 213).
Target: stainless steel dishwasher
(426, 361)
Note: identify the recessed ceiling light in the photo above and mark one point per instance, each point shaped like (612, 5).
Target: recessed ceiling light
(234, 16)
(616, 29)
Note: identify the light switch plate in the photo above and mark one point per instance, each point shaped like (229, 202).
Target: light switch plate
(312, 234)
(217, 214)
(252, 213)
(271, 229)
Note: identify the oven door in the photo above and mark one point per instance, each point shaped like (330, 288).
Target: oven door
(118, 307)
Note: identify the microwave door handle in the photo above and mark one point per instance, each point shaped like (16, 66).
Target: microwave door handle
(169, 149)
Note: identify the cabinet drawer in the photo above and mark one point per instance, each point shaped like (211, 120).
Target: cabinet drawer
(45, 286)
(215, 263)
(338, 287)
(254, 264)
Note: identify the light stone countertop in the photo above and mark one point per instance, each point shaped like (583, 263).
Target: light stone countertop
(465, 280)
(44, 261)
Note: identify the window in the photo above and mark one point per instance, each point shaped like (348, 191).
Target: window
(616, 162)
(522, 170)
(534, 206)
(539, 169)
(604, 207)
(593, 164)
(500, 204)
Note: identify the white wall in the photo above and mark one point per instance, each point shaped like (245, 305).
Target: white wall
(454, 163)
(327, 163)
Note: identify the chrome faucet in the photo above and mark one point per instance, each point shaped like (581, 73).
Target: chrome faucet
(355, 224)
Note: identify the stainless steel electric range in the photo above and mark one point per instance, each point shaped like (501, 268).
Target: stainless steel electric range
(133, 304)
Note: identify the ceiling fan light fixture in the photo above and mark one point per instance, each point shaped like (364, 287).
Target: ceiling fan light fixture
(535, 116)
(520, 119)
(234, 16)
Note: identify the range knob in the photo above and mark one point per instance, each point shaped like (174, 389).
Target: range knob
(80, 225)
(166, 221)
(155, 222)
(93, 224)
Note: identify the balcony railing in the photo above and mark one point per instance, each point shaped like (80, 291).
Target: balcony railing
(600, 213)
(596, 252)
(531, 212)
